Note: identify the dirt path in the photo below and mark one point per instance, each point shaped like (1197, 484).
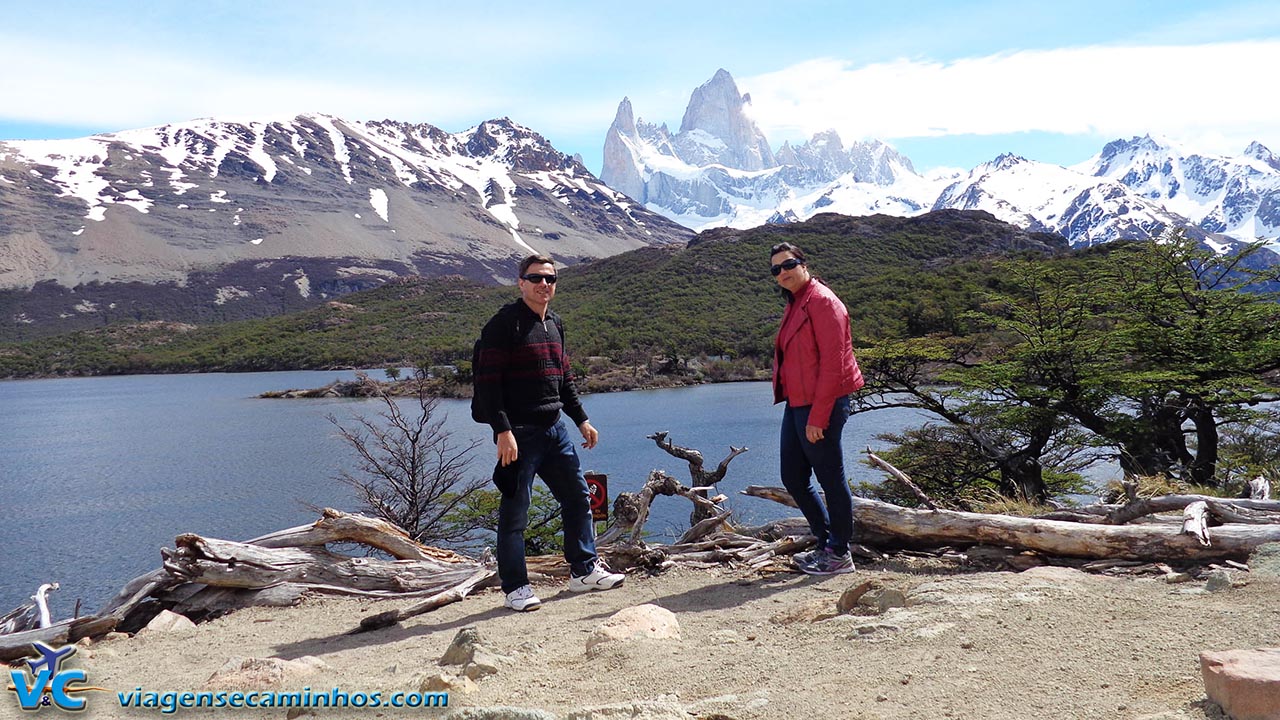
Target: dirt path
(1046, 643)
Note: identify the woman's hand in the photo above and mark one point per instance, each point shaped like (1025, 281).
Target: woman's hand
(814, 434)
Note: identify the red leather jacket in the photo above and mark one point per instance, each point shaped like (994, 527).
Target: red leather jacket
(813, 362)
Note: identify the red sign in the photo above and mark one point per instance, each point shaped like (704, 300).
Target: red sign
(598, 486)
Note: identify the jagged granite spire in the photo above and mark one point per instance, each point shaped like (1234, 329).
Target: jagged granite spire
(716, 129)
(621, 164)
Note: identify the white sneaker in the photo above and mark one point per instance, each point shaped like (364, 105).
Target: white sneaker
(598, 579)
(522, 599)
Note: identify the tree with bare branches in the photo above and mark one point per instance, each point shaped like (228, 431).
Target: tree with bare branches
(410, 472)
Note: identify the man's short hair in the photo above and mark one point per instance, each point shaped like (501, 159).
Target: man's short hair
(534, 260)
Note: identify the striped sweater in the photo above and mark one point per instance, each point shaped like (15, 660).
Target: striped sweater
(521, 372)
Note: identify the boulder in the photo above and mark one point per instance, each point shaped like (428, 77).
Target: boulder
(648, 622)
(1218, 581)
(1246, 683)
(447, 682)
(476, 660)
(241, 673)
(849, 598)
(168, 621)
(1265, 560)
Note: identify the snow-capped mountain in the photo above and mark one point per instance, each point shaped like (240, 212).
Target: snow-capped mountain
(1045, 197)
(719, 170)
(238, 212)
(1236, 196)
(1132, 189)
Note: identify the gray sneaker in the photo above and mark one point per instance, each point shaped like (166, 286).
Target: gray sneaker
(802, 558)
(826, 562)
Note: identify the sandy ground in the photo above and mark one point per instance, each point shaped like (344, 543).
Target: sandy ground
(1050, 642)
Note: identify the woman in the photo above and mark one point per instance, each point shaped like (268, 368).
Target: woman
(814, 371)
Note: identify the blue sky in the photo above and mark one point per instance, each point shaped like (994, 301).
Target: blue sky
(949, 84)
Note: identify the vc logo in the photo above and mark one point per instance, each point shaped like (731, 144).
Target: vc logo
(50, 684)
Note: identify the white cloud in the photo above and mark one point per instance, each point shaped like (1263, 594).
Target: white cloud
(1210, 92)
(121, 88)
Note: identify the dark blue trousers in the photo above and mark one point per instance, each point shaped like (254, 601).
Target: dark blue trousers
(801, 461)
(548, 453)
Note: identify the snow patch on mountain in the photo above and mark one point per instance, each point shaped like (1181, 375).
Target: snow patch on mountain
(378, 199)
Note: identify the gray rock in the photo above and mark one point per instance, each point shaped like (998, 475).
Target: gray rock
(883, 599)
(463, 647)
(1218, 581)
(1265, 560)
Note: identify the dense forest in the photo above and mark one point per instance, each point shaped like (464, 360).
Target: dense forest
(901, 277)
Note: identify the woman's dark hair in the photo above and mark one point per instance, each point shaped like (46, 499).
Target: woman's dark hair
(796, 252)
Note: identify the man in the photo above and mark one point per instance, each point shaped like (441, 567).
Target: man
(522, 382)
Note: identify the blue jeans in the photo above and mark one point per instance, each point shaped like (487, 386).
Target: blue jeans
(548, 453)
(832, 524)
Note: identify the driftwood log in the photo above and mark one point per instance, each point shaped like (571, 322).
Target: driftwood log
(703, 481)
(480, 577)
(204, 577)
(223, 563)
(891, 525)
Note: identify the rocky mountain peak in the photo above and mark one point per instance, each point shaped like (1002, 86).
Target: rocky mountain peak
(1132, 189)
(625, 120)
(1258, 151)
(1120, 153)
(1004, 161)
(516, 146)
(621, 144)
(715, 127)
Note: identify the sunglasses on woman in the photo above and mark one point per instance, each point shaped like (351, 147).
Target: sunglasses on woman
(788, 264)
(537, 279)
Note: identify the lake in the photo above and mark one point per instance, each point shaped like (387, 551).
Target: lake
(97, 474)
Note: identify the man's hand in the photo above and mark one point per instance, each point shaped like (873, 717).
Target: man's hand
(589, 434)
(508, 451)
(814, 434)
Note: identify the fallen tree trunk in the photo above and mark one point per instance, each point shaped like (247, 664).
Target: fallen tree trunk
(18, 645)
(454, 594)
(907, 527)
(223, 563)
(337, 526)
(1218, 507)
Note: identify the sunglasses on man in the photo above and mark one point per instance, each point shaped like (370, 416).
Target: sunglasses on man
(536, 279)
(788, 264)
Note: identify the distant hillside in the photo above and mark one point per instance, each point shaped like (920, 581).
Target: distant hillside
(899, 276)
(208, 221)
